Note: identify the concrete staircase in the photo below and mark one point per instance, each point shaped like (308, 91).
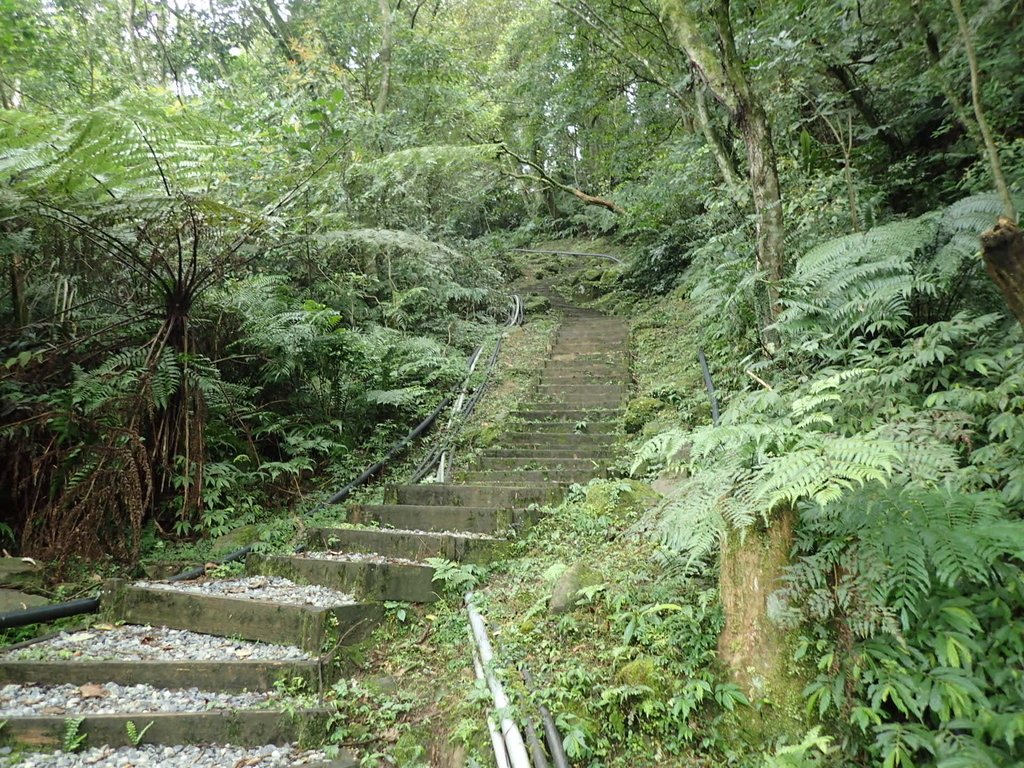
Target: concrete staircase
(565, 432)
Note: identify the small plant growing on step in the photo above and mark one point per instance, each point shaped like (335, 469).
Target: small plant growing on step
(580, 427)
(456, 577)
(134, 734)
(73, 740)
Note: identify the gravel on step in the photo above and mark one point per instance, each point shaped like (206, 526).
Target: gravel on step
(111, 698)
(357, 557)
(105, 642)
(462, 534)
(270, 588)
(223, 756)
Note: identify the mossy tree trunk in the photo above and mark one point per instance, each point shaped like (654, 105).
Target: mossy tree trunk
(751, 569)
(724, 73)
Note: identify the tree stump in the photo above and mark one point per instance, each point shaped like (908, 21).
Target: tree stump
(1002, 248)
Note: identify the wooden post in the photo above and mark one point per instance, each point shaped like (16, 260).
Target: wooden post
(1002, 248)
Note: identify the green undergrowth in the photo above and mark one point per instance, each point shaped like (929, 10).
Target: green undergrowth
(629, 670)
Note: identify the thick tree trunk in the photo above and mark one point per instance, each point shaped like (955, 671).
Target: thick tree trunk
(724, 74)
(1003, 250)
(752, 644)
(764, 184)
(380, 104)
(723, 157)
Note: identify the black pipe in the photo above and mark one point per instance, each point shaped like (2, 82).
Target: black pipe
(540, 760)
(11, 619)
(710, 385)
(195, 573)
(551, 735)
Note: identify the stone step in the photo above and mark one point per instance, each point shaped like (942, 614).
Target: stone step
(554, 453)
(543, 435)
(244, 728)
(306, 626)
(578, 403)
(220, 675)
(557, 378)
(449, 494)
(581, 426)
(572, 391)
(538, 462)
(370, 579)
(518, 477)
(410, 544)
(428, 517)
(545, 412)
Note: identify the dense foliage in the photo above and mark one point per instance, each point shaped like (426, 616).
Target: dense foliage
(245, 242)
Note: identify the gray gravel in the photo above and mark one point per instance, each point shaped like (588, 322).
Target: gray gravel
(143, 643)
(270, 588)
(111, 698)
(225, 756)
(357, 557)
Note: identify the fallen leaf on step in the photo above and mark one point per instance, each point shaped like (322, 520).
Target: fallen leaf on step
(81, 637)
(52, 711)
(104, 627)
(247, 761)
(243, 653)
(93, 691)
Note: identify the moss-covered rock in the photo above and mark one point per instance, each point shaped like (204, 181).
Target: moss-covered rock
(640, 411)
(614, 498)
(236, 539)
(641, 671)
(569, 587)
(536, 304)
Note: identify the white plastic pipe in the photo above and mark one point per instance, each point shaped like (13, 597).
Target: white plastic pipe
(514, 745)
(497, 743)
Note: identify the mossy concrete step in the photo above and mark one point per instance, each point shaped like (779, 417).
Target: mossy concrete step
(538, 462)
(581, 400)
(581, 356)
(457, 495)
(557, 435)
(244, 728)
(238, 675)
(367, 579)
(581, 426)
(428, 517)
(544, 412)
(572, 378)
(518, 477)
(305, 626)
(546, 451)
(573, 391)
(411, 544)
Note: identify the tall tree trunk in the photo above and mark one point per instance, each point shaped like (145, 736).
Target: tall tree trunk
(725, 159)
(380, 104)
(979, 114)
(726, 79)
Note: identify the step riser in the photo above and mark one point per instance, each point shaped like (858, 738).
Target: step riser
(413, 546)
(231, 676)
(244, 728)
(538, 463)
(368, 580)
(569, 428)
(532, 476)
(470, 496)
(558, 435)
(304, 626)
(427, 518)
(571, 417)
(548, 453)
(613, 391)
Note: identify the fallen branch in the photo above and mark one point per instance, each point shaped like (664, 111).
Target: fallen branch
(543, 177)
